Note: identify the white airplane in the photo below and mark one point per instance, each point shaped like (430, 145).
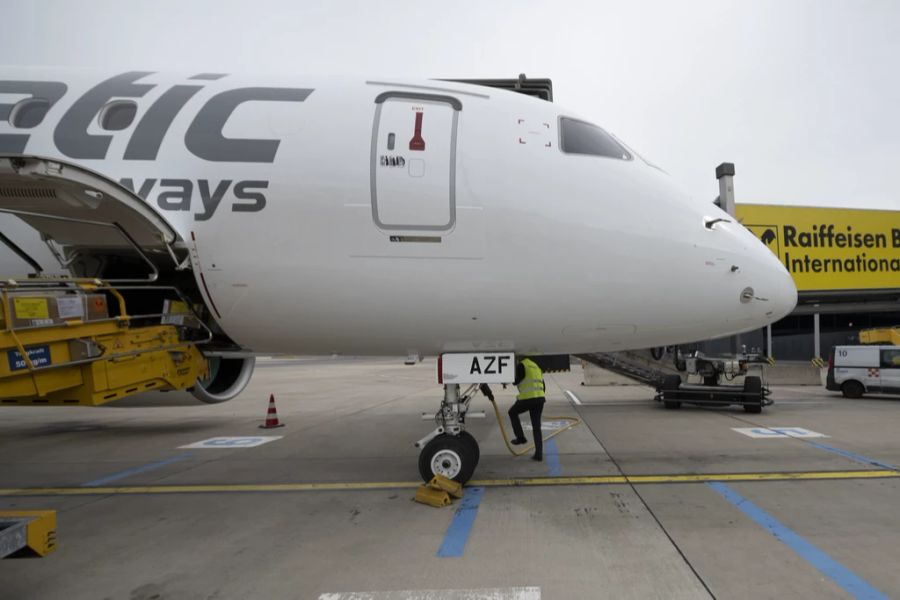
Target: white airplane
(373, 217)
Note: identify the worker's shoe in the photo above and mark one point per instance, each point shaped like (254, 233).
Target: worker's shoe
(537, 457)
(518, 441)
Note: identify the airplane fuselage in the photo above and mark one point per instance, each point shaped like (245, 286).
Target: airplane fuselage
(383, 217)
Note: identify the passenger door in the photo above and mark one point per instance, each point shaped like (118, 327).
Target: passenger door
(413, 162)
(890, 370)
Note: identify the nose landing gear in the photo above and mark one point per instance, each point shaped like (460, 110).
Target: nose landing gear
(450, 450)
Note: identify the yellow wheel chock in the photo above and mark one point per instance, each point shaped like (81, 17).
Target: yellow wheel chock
(438, 491)
(432, 497)
(453, 488)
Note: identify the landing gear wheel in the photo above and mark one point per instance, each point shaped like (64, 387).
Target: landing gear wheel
(449, 455)
(753, 385)
(852, 389)
(470, 439)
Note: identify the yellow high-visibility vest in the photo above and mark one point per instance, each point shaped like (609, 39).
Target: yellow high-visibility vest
(532, 385)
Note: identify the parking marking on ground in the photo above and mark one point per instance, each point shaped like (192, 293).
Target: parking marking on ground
(551, 457)
(548, 426)
(390, 485)
(521, 593)
(778, 432)
(234, 442)
(802, 434)
(136, 470)
(461, 526)
(853, 456)
(852, 583)
(573, 397)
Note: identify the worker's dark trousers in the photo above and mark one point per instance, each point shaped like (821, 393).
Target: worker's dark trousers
(534, 407)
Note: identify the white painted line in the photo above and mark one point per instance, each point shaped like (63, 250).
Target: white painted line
(523, 593)
(548, 425)
(234, 442)
(815, 389)
(778, 432)
(573, 397)
(791, 403)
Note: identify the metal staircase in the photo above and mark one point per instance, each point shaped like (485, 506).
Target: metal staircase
(630, 365)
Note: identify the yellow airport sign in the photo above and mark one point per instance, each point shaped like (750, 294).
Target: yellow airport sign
(830, 248)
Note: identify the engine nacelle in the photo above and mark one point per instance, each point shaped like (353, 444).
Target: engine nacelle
(227, 378)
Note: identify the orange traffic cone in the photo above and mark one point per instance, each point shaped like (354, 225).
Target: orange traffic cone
(271, 415)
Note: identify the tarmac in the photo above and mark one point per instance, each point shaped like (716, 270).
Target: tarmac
(800, 501)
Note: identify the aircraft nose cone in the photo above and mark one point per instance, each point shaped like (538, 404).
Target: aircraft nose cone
(782, 292)
(773, 287)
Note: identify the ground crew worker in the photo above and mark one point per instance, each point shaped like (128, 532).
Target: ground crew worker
(530, 382)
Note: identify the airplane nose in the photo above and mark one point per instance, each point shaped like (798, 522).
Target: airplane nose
(770, 286)
(774, 291)
(783, 290)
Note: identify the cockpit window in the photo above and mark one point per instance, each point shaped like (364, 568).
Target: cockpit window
(579, 137)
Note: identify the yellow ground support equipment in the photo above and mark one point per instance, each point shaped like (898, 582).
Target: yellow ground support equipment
(425, 494)
(439, 492)
(59, 345)
(885, 335)
(27, 533)
(454, 488)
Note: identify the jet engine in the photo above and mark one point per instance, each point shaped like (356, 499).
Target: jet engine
(227, 378)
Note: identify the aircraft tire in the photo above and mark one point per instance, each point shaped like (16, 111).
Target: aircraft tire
(470, 439)
(450, 456)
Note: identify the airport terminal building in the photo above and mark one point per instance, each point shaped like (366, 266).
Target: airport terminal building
(846, 264)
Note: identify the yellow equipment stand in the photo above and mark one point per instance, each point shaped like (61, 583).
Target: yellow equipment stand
(27, 533)
(92, 362)
(886, 335)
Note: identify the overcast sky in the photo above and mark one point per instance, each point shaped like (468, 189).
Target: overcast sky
(802, 96)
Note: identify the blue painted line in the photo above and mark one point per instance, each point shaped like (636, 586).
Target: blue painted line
(135, 471)
(852, 583)
(853, 456)
(461, 526)
(551, 455)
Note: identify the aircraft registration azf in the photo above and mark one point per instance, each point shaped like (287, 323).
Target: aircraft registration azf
(372, 217)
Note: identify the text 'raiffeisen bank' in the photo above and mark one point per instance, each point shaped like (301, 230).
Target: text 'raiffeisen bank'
(830, 248)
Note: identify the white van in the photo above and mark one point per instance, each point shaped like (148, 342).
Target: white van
(856, 370)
